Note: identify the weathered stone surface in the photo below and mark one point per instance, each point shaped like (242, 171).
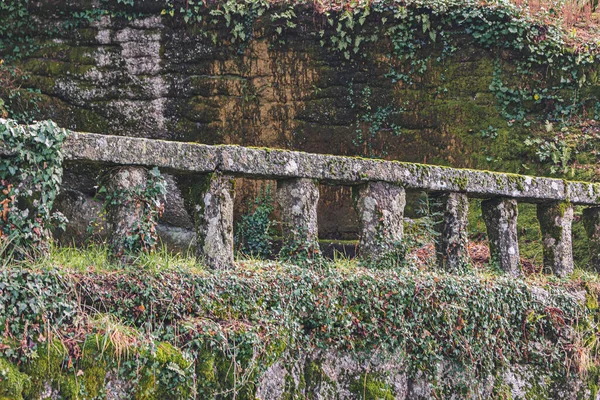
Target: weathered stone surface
(280, 164)
(380, 208)
(177, 239)
(591, 221)
(452, 241)
(83, 214)
(177, 156)
(123, 213)
(214, 220)
(500, 216)
(555, 223)
(298, 200)
(328, 374)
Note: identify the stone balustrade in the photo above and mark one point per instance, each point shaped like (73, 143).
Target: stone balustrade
(379, 197)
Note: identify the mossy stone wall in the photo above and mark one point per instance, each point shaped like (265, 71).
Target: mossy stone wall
(155, 76)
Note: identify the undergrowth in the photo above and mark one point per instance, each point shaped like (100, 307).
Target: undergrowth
(177, 331)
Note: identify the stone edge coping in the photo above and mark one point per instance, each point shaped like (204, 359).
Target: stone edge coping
(268, 163)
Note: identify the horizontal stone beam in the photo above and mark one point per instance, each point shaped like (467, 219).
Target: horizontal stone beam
(265, 163)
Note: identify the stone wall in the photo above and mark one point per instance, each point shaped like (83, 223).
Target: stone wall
(156, 77)
(379, 194)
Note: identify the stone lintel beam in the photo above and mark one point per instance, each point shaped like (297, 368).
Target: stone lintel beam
(500, 216)
(591, 222)
(298, 200)
(452, 211)
(380, 209)
(213, 213)
(169, 156)
(555, 223)
(123, 212)
(183, 158)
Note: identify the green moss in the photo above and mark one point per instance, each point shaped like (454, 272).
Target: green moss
(45, 367)
(13, 383)
(593, 381)
(316, 379)
(591, 301)
(538, 389)
(164, 375)
(206, 373)
(501, 389)
(369, 386)
(461, 182)
(94, 366)
(293, 390)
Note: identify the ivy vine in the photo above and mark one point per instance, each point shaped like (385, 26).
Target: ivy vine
(30, 176)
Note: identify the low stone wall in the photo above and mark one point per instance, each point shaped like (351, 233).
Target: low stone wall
(267, 163)
(379, 198)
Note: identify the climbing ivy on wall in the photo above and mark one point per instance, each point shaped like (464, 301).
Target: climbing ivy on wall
(214, 333)
(556, 67)
(29, 182)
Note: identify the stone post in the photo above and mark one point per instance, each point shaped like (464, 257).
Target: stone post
(380, 209)
(555, 223)
(123, 212)
(213, 214)
(591, 222)
(451, 245)
(500, 216)
(298, 198)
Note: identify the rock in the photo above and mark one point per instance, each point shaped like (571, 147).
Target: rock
(185, 158)
(500, 216)
(123, 211)
(298, 200)
(451, 244)
(380, 209)
(214, 221)
(555, 223)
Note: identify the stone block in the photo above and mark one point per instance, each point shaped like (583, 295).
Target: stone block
(214, 196)
(451, 211)
(380, 209)
(555, 223)
(298, 200)
(500, 216)
(123, 212)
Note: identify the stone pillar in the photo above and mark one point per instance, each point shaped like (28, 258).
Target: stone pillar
(500, 216)
(213, 212)
(591, 222)
(555, 223)
(298, 199)
(123, 212)
(452, 211)
(380, 209)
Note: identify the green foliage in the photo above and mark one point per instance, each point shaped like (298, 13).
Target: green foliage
(14, 31)
(29, 182)
(299, 249)
(175, 332)
(254, 234)
(370, 122)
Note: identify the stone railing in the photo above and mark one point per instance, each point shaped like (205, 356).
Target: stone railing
(379, 197)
